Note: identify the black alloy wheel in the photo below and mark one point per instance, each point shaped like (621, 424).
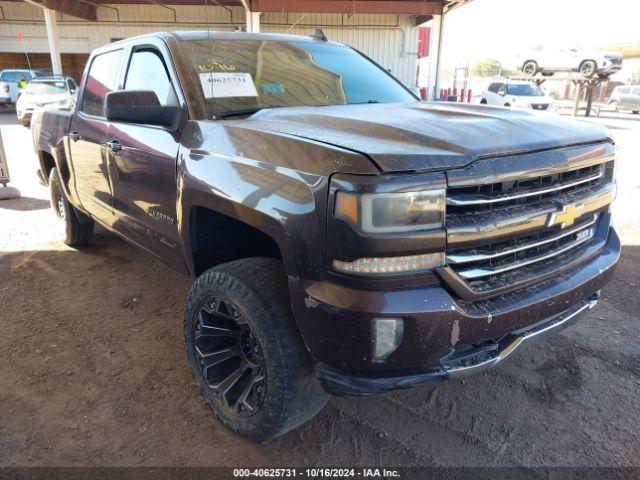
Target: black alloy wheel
(230, 356)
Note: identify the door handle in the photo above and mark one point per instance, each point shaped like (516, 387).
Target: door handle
(75, 136)
(114, 145)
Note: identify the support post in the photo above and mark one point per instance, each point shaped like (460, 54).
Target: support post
(54, 42)
(591, 86)
(434, 56)
(253, 21)
(603, 91)
(576, 99)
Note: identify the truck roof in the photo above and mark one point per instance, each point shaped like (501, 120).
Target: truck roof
(17, 70)
(219, 35)
(191, 35)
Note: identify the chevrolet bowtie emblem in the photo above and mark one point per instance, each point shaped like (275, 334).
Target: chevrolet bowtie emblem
(567, 216)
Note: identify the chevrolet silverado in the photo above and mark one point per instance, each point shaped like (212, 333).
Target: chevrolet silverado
(344, 237)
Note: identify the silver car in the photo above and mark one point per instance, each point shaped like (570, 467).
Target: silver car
(626, 98)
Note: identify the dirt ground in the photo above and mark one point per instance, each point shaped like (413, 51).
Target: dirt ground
(93, 369)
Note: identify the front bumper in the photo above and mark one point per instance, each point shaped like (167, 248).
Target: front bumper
(460, 362)
(609, 67)
(443, 336)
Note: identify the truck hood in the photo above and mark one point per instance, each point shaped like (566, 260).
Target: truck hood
(424, 136)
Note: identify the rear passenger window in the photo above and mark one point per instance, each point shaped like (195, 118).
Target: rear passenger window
(147, 71)
(102, 79)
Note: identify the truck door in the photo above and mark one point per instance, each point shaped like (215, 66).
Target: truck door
(143, 162)
(88, 136)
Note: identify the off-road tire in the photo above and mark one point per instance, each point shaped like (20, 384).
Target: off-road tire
(257, 288)
(76, 233)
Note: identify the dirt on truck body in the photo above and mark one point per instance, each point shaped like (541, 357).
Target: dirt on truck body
(343, 237)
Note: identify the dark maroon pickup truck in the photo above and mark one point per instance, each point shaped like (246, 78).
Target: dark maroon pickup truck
(343, 236)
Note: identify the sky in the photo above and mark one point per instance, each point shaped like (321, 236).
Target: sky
(503, 28)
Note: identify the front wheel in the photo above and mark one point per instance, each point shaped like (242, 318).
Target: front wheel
(245, 350)
(588, 68)
(76, 233)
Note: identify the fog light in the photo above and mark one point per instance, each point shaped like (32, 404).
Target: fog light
(387, 335)
(391, 265)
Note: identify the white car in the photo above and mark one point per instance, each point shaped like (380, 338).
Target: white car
(10, 84)
(518, 94)
(587, 63)
(46, 92)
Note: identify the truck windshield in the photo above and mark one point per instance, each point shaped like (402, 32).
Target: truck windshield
(525, 90)
(242, 76)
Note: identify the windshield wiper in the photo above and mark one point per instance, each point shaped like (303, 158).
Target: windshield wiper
(244, 111)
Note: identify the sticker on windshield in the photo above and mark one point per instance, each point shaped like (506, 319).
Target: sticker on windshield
(224, 84)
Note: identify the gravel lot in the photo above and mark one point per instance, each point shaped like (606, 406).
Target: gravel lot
(93, 370)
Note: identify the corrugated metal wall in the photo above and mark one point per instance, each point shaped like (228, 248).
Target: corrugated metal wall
(391, 40)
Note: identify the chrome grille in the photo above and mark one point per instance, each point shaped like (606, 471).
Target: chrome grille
(520, 191)
(505, 235)
(539, 106)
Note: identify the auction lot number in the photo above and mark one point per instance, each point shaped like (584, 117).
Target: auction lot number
(315, 472)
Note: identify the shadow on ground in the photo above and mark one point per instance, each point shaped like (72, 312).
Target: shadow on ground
(25, 204)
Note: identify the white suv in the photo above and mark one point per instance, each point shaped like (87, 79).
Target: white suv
(587, 63)
(518, 94)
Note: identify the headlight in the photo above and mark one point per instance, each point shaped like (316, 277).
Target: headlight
(373, 266)
(387, 214)
(392, 212)
(58, 103)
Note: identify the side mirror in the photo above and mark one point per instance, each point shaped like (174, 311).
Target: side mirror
(502, 93)
(139, 106)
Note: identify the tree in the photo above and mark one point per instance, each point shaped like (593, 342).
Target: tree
(489, 67)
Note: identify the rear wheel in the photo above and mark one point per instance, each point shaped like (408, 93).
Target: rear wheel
(530, 68)
(588, 68)
(245, 350)
(76, 233)
(635, 112)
